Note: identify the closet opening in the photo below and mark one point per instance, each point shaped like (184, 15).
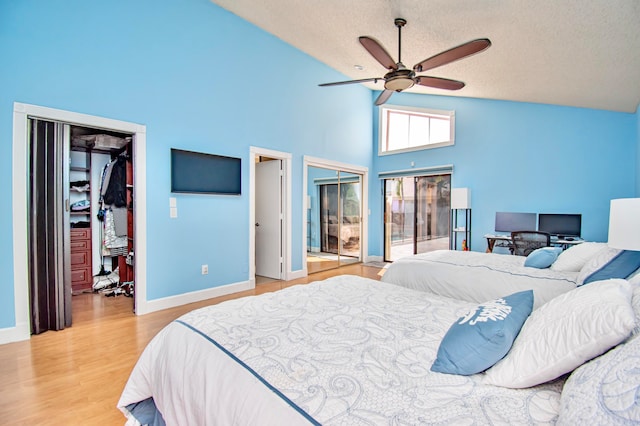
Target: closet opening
(81, 216)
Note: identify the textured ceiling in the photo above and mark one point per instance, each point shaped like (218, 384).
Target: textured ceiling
(583, 53)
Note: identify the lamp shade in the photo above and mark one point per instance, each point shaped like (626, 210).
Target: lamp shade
(624, 224)
(460, 198)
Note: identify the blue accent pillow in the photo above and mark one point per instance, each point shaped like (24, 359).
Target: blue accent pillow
(620, 265)
(483, 337)
(542, 257)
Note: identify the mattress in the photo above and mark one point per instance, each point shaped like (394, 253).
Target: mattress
(347, 350)
(477, 277)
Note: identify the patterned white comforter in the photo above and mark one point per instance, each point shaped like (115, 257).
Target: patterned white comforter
(347, 350)
(477, 277)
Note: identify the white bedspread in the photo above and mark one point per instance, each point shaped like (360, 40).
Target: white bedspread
(347, 350)
(477, 277)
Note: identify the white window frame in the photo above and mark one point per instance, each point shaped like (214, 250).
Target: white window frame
(382, 128)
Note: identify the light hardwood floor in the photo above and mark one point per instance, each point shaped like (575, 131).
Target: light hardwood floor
(75, 376)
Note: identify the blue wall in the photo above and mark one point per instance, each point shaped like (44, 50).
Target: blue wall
(524, 157)
(195, 75)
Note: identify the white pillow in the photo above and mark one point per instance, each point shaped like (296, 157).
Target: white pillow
(635, 304)
(604, 390)
(574, 258)
(596, 262)
(634, 279)
(565, 332)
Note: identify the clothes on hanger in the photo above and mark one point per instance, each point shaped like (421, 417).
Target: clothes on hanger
(111, 239)
(113, 211)
(116, 184)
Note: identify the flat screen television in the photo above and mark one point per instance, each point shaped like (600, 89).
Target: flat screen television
(562, 225)
(509, 222)
(200, 173)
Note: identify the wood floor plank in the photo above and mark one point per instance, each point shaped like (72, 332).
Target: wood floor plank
(76, 375)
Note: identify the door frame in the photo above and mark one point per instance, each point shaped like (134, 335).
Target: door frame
(21, 114)
(350, 168)
(285, 157)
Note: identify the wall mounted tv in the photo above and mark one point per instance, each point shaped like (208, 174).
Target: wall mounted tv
(509, 222)
(200, 173)
(562, 225)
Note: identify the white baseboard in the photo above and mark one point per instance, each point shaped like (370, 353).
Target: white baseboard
(15, 334)
(196, 296)
(373, 259)
(293, 275)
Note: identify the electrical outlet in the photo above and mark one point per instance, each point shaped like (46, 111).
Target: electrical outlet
(205, 269)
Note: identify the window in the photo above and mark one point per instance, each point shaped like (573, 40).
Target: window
(409, 129)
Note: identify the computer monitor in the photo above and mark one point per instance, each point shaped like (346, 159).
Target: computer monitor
(509, 222)
(562, 225)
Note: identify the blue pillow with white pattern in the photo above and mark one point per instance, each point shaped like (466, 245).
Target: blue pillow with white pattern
(484, 336)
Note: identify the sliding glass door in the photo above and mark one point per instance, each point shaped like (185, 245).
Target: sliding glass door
(416, 215)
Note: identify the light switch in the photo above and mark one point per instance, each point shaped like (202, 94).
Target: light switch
(173, 202)
(173, 212)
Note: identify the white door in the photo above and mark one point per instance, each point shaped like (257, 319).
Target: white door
(268, 224)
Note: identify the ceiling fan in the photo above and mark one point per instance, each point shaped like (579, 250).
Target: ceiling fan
(400, 78)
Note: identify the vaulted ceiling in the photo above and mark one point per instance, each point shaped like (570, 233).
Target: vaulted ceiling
(583, 53)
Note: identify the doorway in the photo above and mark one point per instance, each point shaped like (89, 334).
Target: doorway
(269, 218)
(23, 113)
(81, 218)
(335, 219)
(269, 215)
(416, 215)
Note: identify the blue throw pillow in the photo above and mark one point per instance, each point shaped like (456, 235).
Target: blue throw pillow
(542, 257)
(483, 337)
(610, 264)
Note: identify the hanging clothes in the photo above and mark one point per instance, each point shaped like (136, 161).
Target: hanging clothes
(106, 175)
(111, 239)
(116, 192)
(120, 221)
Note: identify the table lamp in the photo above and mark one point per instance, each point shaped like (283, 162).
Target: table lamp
(460, 198)
(624, 224)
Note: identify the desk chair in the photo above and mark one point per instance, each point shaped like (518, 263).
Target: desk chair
(524, 242)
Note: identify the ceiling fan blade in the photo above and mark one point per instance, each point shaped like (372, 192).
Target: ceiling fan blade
(439, 83)
(378, 52)
(453, 54)
(384, 97)
(364, 80)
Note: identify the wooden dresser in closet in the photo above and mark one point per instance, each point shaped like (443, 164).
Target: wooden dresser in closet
(81, 273)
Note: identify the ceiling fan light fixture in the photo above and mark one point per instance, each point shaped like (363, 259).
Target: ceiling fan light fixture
(398, 84)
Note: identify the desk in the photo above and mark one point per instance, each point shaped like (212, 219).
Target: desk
(565, 244)
(500, 240)
(505, 241)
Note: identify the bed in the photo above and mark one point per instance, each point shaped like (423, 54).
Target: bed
(477, 277)
(347, 350)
